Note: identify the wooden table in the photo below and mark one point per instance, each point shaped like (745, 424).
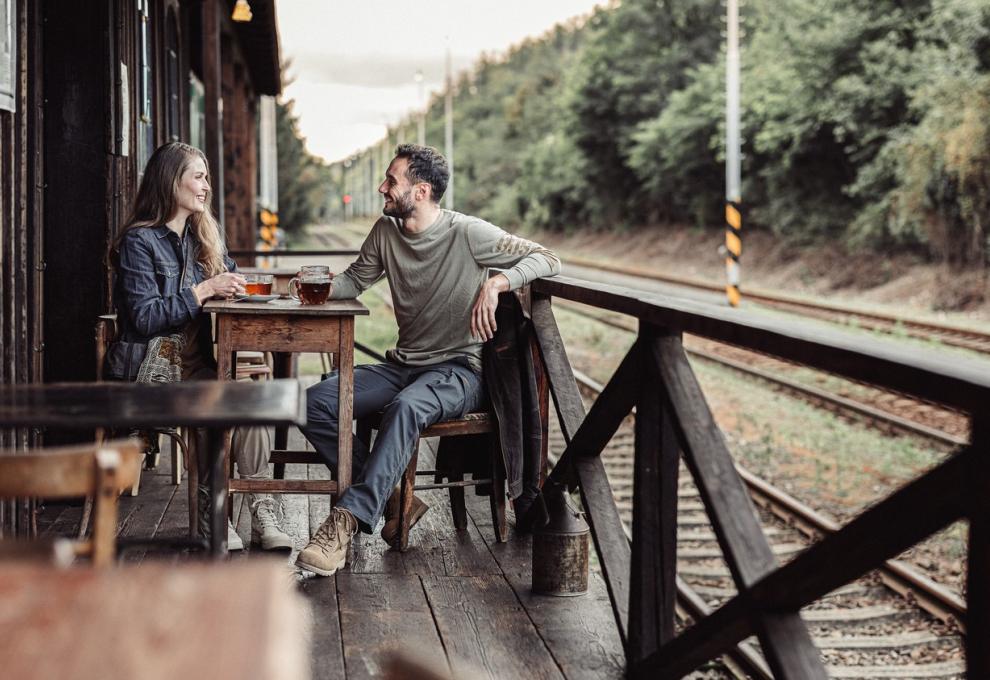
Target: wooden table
(152, 622)
(284, 327)
(215, 406)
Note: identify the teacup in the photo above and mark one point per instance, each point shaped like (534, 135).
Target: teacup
(258, 284)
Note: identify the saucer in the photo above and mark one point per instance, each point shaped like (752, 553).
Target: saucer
(255, 298)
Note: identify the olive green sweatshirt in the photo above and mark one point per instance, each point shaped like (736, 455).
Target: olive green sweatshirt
(435, 276)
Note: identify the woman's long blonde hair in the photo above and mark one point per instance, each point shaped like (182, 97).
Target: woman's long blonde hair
(155, 204)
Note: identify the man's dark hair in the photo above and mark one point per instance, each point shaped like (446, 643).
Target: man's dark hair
(426, 164)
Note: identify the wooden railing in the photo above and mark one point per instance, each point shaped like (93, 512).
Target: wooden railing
(673, 419)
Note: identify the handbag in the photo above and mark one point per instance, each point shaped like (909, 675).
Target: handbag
(163, 360)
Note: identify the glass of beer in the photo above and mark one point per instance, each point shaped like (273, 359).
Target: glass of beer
(258, 284)
(312, 285)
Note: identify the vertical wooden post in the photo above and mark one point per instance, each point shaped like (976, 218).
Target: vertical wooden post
(281, 368)
(104, 540)
(213, 102)
(345, 401)
(977, 587)
(654, 546)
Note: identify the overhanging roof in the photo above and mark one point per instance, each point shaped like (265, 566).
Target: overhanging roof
(259, 43)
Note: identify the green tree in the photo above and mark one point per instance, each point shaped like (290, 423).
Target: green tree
(301, 176)
(642, 52)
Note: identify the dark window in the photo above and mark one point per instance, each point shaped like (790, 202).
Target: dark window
(172, 77)
(146, 129)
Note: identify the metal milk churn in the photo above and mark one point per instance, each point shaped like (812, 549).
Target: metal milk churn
(560, 549)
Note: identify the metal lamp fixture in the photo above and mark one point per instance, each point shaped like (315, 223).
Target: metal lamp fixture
(242, 11)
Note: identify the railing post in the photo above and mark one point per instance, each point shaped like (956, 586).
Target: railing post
(977, 585)
(654, 546)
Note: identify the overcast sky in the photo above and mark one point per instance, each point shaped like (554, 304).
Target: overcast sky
(353, 62)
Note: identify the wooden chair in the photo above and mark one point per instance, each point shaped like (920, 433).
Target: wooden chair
(106, 331)
(460, 440)
(97, 471)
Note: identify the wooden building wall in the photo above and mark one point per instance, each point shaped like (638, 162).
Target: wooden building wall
(70, 163)
(239, 150)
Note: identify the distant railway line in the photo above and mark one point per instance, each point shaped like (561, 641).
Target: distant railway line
(953, 336)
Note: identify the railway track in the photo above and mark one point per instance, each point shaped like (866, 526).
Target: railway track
(893, 624)
(954, 336)
(887, 410)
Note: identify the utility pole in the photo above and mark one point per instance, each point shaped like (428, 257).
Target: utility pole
(733, 191)
(421, 122)
(448, 134)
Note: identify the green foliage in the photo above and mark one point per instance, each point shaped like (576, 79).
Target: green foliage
(643, 52)
(866, 122)
(678, 155)
(302, 178)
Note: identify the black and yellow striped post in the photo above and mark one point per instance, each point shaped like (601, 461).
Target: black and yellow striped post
(733, 248)
(733, 154)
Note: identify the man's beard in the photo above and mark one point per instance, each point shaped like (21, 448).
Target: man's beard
(402, 206)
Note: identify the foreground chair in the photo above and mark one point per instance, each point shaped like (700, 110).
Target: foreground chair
(97, 471)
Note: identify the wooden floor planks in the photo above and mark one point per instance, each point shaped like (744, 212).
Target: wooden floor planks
(455, 598)
(383, 613)
(485, 630)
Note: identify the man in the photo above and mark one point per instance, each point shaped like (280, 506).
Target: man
(437, 264)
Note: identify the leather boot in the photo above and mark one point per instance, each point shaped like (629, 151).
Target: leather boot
(266, 518)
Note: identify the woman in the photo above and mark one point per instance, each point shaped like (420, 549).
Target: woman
(169, 259)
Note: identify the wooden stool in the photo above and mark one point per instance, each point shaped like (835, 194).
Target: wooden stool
(460, 438)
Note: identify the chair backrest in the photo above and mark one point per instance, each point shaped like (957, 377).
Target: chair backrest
(106, 331)
(101, 471)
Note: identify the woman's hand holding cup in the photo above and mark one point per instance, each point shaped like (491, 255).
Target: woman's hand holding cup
(224, 285)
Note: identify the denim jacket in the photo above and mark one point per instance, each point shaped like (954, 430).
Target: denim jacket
(156, 271)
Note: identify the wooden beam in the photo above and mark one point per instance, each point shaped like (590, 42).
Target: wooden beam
(654, 544)
(959, 382)
(609, 535)
(907, 516)
(586, 437)
(213, 103)
(606, 414)
(783, 636)
(563, 386)
(978, 559)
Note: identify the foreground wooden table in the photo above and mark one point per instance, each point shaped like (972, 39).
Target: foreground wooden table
(284, 327)
(215, 406)
(152, 621)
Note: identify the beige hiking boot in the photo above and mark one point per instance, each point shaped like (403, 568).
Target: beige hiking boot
(266, 518)
(390, 531)
(327, 550)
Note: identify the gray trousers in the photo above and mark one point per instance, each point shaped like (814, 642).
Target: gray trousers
(411, 399)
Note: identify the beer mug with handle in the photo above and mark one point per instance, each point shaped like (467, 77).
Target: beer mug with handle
(312, 286)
